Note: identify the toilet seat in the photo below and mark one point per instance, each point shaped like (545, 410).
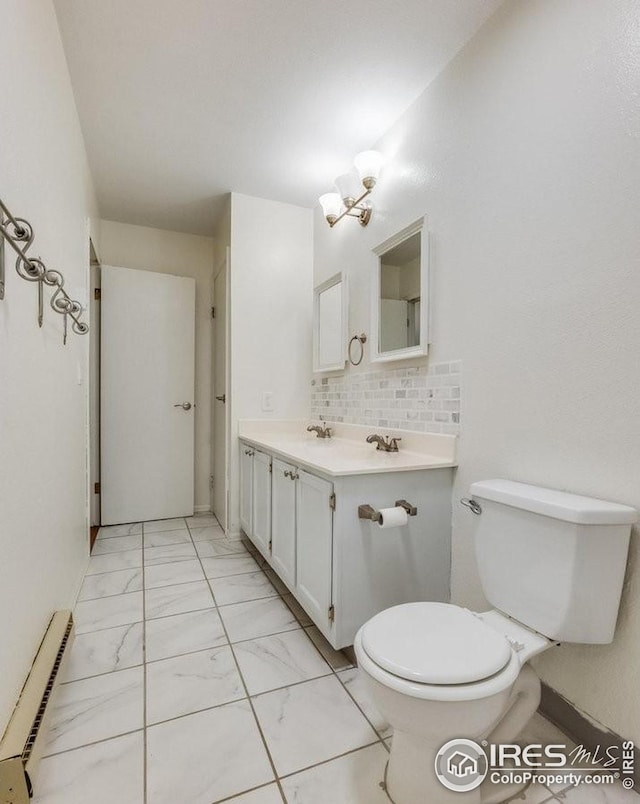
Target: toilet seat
(435, 643)
(493, 684)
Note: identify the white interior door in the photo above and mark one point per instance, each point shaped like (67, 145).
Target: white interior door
(219, 497)
(147, 385)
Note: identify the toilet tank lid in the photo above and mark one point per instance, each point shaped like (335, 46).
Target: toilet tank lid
(553, 503)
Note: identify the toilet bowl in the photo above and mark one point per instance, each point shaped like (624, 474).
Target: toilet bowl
(467, 681)
(553, 565)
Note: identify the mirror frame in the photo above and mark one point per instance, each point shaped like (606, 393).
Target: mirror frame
(422, 348)
(336, 279)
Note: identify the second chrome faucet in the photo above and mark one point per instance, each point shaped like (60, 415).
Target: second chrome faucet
(321, 432)
(384, 443)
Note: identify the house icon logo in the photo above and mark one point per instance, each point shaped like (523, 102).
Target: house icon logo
(461, 765)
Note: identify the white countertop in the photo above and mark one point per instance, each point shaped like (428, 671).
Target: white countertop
(346, 452)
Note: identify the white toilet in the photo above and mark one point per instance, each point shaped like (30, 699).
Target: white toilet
(552, 564)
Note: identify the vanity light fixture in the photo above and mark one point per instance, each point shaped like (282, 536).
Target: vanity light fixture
(349, 201)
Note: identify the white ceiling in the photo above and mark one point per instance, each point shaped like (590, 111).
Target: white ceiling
(182, 101)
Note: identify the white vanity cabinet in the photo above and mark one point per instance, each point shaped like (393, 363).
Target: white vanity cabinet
(246, 489)
(314, 547)
(255, 497)
(283, 521)
(261, 502)
(342, 569)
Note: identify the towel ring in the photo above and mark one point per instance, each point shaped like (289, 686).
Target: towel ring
(362, 339)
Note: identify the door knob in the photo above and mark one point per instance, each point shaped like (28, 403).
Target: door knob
(183, 405)
(222, 398)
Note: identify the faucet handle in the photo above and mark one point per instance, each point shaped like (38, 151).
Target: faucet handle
(393, 444)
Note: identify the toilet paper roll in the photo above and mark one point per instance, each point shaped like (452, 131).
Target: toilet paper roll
(392, 517)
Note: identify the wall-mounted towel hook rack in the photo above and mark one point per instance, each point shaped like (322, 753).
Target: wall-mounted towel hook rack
(18, 233)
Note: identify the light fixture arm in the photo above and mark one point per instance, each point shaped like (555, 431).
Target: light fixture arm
(363, 212)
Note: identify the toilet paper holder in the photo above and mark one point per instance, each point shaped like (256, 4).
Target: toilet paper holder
(369, 512)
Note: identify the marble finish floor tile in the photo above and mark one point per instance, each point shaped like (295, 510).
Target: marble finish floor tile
(597, 794)
(169, 553)
(157, 525)
(535, 794)
(257, 618)
(105, 651)
(219, 548)
(114, 561)
(336, 658)
(109, 531)
(95, 709)
(170, 574)
(355, 685)
(263, 795)
(310, 723)
(277, 661)
(238, 588)
(209, 532)
(117, 544)
(105, 773)
(202, 521)
(162, 538)
(183, 633)
(167, 600)
(229, 565)
(206, 757)
(186, 684)
(106, 612)
(111, 583)
(352, 779)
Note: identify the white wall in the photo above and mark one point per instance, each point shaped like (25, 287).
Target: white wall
(43, 384)
(183, 255)
(271, 315)
(524, 156)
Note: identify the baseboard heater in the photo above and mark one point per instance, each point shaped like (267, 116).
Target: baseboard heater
(19, 747)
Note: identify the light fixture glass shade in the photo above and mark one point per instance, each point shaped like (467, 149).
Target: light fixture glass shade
(349, 188)
(331, 204)
(368, 165)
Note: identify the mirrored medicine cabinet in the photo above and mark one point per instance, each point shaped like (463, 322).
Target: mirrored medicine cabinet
(400, 297)
(330, 314)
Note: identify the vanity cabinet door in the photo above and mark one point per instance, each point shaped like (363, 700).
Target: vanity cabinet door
(261, 507)
(314, 559)
(283, 522)
(246, 489)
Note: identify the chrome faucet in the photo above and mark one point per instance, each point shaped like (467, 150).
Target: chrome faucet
(321, 432)
(384, 443)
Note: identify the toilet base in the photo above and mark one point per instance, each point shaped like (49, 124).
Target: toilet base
(402, 783)
(411, 779)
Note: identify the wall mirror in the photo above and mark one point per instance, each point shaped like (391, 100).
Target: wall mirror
(400, 299)
(330, 324)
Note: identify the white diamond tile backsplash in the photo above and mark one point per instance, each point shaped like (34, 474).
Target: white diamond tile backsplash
(424, 399)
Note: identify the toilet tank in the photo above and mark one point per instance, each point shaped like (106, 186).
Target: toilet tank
(551, 560)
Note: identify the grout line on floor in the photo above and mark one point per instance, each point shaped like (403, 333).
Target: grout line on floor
(255, 716)
(93, 742)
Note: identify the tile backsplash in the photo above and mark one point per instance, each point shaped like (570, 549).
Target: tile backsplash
(425, 399)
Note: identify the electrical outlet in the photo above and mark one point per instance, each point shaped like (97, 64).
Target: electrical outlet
(268, 403)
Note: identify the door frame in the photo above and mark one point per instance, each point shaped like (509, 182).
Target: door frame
(223, 266)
